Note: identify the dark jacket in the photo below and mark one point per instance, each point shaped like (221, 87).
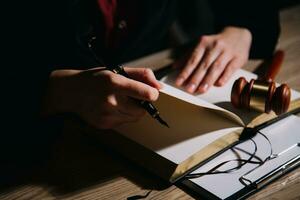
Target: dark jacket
(73, 24)
(54, 34)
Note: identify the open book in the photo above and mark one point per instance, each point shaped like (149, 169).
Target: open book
(201, 126)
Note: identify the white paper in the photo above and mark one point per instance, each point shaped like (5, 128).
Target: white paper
(215, 94)
(179, 152)
(282, 135)
(175, 92)
(221, 96)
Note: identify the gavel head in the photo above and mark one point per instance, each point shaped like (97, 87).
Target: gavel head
(260, 95)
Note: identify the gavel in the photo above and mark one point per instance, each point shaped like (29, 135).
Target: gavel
(262, 94)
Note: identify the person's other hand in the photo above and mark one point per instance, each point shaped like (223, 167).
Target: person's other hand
(215, 59)
(100, 97)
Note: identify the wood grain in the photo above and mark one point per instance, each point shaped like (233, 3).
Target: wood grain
(80, 169)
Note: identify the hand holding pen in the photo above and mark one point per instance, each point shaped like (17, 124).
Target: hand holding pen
(100, 97)
(147, 105)
(129, 98)
(148, 77)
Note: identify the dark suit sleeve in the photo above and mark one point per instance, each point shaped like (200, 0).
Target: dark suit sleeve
(260, 17)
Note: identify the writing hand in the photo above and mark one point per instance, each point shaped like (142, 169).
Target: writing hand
(100, 97)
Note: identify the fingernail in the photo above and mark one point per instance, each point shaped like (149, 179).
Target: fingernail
(154, 95)
(203, 87)
(159, 85)
(191, 87)
(179, 81)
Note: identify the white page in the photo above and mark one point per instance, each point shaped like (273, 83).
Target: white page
(177, 153)
(179, 94)
(189, 130)
(175, 92)
(215, 94)
(282, 135)
(220, 96)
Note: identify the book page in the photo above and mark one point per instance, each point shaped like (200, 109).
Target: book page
(221, 96)
(215, 95)
(188, 117)
(183, 150)
(177, 93)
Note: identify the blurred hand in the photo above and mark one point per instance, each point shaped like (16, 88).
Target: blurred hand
(214, 59)
(100, 97)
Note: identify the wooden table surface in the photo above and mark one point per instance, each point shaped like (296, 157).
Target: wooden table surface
(82, 169)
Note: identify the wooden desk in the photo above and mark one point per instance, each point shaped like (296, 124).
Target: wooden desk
(80, 169)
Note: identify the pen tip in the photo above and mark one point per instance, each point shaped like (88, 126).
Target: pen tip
(162, 121)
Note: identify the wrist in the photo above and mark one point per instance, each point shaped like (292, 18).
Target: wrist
(242, 30)
(60, 94)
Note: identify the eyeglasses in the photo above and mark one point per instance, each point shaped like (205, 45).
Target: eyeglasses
(253, 159)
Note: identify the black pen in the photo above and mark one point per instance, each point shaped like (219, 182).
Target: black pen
(276, 173)
(148, 106)
(271, 176)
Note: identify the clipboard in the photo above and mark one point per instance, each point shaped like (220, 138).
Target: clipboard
(289, 151)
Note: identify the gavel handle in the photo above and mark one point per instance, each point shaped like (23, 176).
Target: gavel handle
(274, 68)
